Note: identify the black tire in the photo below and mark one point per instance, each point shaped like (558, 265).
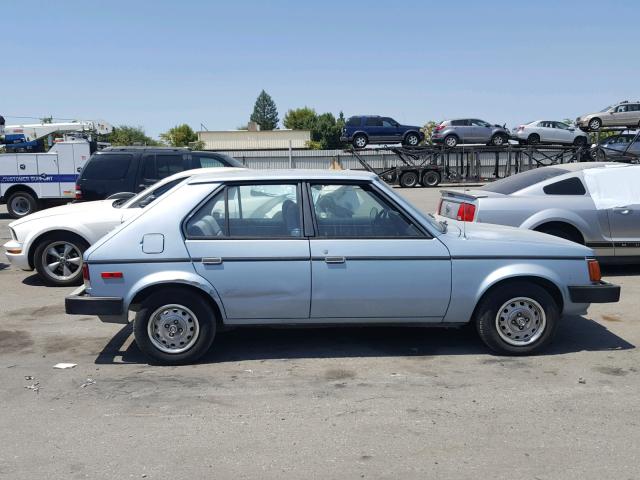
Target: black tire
(450, 141)
(600, 155)
(568, 233)
(533, 139)
(409, 179)
(527, 297)
(580, 141)
(594, 124)
(360, 141)
(171, 298)
(412, 140)
(21, 203)
(498, 140)
(57, 242)
(431, 179)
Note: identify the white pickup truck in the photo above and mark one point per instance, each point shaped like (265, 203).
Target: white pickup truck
(29, 181)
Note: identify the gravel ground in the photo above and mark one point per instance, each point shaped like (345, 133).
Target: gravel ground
(322, 403)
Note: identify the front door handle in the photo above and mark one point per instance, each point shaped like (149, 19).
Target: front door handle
(623, 210)
(212, 261)
(335, 259)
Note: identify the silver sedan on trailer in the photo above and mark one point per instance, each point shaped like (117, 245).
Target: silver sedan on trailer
(594, 203)
(319, 247)
(550, 132)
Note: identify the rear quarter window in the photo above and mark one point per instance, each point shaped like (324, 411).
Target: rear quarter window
(107, 166)
(570, 186)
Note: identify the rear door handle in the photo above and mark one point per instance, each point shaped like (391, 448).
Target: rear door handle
(335, 259)
(211, 261)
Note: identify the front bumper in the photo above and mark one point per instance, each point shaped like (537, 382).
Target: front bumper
(17, 255)
(80, 303)
(601, 292)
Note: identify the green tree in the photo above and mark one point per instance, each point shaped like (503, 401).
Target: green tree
(428, 129)
(124, 135)
(300, 119)
(180, 136)
(265, 112)
(327, 131)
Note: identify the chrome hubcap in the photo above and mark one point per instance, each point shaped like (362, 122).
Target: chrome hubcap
(173, 328)
(595, 124)
(20, 206)
(62, 260)
(413, 140)
(498, 141)
(521, 321)
(360, 142)
(451, 142)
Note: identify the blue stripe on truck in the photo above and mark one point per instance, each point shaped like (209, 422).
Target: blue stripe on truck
(43, 178)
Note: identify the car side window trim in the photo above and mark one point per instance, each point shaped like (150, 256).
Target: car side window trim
(382, 196)
(225, 188)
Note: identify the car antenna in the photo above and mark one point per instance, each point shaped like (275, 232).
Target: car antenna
(464, 221)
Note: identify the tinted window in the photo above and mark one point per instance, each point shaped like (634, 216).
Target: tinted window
(203, 160)
(373, 122)
(149, 166)
(388, 123)
(167, 165)
(522, 180)
(107, 166)
(570, 186)
(249, 211)
(355, 211)
(480, 123)
(460, 123)
(353, 122)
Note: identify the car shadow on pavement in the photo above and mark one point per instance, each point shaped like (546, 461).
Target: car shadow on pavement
(4, 266)
(574, 334)
(34, 281)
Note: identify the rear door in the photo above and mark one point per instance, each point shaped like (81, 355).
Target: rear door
(247, 241)
(370, 260)
(156, 166)
(374, 128)
(463, 129)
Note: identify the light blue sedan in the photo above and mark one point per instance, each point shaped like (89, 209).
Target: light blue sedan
(302, 247)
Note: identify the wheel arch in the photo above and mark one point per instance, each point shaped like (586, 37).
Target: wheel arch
(20, 187)
(557, 216)
(565, 225)
(409, 132)
(206, 291)
(33, 243)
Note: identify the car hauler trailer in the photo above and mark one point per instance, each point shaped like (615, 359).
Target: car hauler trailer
(30, 181)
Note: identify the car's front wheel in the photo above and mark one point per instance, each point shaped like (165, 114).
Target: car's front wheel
(58, 259)
(595, 124)
(498, 140)
(174, 326)
(518, 318)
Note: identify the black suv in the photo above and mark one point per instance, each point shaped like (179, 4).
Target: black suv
(364, 129)
(132, 169)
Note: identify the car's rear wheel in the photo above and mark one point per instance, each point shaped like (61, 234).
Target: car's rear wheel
(600, 155)
(595, 124)
(412, 140)
(430, 179)
(498, 140)
(580, 141)
(174, 326)
(360, 141)
(408, 179)
(58, 259)
(562, 230)
(533, 139)
(20, 204)
(451, 141)
(517, 318)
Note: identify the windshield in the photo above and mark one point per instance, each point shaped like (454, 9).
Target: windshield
(606, 109)
(522, 180)
(148, 195)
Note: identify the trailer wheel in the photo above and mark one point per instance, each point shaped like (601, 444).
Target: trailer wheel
(430, 179)
(408, 179)
(20, 204)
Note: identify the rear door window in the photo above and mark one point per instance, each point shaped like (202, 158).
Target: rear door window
(373, 122)
(107, 166)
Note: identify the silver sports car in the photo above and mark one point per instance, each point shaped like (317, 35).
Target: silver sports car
(594, 203)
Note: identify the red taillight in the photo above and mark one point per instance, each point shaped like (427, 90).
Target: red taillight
(111, 274)
(85, 272)
(439, 127)
(466, 212)
(594, 270)
(78, 192)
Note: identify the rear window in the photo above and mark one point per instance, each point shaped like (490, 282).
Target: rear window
(523, 180)
(353, 122)
(107, 166)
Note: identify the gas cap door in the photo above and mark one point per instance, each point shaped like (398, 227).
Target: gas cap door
(153, 243)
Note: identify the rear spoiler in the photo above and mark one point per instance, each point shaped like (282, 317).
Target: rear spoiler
(470, 195)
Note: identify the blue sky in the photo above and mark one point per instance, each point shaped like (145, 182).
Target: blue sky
(160, 63)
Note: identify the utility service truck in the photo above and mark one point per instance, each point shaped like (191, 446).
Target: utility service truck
(34, 180)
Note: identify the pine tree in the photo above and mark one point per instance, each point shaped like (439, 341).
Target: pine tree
(265, 112)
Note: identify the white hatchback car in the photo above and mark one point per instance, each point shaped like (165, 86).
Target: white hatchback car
(549, 131)
(53, 240)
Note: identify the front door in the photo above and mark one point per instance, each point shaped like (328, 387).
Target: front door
(247, 241)
(370, 260)
(624, 221)
(390, 129)
(481, 131)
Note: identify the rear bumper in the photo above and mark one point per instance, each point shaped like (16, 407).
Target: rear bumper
(79, 303)
(601, 292)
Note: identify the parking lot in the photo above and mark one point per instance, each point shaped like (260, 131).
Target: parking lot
(316, 403)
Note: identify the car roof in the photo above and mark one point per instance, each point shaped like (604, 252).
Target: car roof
(240, 174)
(576, 167)
(142, 147)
